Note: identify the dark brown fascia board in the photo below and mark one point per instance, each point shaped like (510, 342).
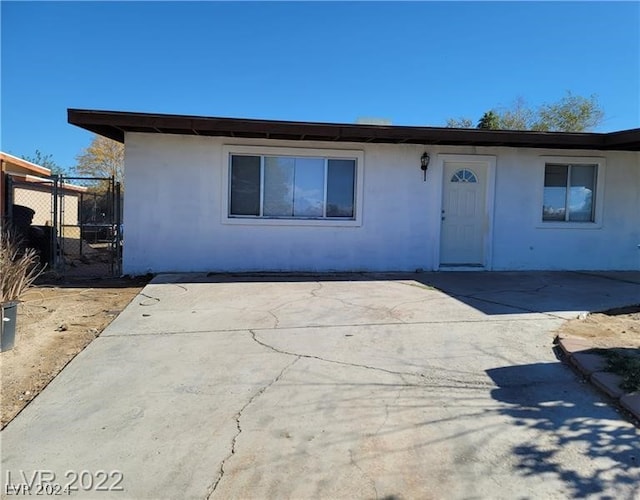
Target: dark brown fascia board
(114, 124)
(627, 139)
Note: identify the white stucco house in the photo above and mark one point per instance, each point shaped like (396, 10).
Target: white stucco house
(222, 194)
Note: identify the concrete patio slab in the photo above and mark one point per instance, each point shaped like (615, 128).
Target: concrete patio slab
(353, 386)
(242, 305)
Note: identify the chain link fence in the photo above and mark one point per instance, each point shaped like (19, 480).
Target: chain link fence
(75, 223)
(89, 226)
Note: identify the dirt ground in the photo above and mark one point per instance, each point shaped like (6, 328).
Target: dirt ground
(55, 322)
(615, 328)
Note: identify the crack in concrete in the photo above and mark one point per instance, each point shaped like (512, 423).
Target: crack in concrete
(476, 296)
(389, 311)
(423, 380)
(386, 409)
(211, 490)
(604, 277)
(522, 289)
(272, 313)
(421, 301)
(402, 375)
(364, 474)
(309, 327)
(386, 310)
(275, 317)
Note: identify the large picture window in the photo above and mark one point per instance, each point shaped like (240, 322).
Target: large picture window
(569, 192)
(292, 187)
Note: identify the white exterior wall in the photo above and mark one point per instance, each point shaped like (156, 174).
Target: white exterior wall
(521, 240)
(175, 213)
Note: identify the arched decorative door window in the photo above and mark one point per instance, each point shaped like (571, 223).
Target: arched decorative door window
(464, 175)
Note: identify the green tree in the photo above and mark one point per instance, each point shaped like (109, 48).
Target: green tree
(490, 121)
(102, 158)
(46, 161)
(572, 113)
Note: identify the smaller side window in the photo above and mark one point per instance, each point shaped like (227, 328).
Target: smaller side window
(569, 192)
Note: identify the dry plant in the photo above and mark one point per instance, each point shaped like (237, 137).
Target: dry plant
(18, 269)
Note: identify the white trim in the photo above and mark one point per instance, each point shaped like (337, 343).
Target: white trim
(488, 161)
(228, 149)
(598, 210)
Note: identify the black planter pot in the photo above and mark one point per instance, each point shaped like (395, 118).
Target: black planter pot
(8, 325)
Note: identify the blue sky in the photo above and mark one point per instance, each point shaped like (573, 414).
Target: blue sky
(415, 63)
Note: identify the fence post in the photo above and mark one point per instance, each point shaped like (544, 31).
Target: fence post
(118, 213)
(62, 218)
(81, 219)
(10, 200)
(111, 234)
(54, 222)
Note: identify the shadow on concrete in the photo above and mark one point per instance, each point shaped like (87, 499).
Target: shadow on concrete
(568, 419)
(542, 291)
(493, 293)
(535, 426)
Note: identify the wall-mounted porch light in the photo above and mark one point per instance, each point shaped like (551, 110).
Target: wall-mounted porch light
(424, 163)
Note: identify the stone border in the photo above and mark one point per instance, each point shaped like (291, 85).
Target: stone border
(591, 365)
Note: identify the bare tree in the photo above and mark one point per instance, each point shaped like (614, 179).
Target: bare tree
(461, 122)
(518, 116)
(103, 158)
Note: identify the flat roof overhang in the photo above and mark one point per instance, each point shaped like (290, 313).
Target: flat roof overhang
(114, 125)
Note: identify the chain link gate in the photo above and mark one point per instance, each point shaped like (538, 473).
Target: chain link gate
(87, 217)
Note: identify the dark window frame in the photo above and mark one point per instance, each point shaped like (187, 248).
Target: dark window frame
(565, 216)
(329, 161)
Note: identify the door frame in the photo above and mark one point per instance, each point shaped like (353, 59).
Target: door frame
(488, 161)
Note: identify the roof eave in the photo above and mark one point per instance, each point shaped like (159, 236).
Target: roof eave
(115, 124)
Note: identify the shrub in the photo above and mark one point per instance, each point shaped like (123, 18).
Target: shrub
(18, 268)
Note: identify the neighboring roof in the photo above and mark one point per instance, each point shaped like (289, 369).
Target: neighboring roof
(25, 171)
(17, 165)
(114, 125)
(41, 182)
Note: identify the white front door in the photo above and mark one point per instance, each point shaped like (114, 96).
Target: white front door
(464, 214)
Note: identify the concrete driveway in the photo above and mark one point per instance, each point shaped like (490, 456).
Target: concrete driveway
(438, 385)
